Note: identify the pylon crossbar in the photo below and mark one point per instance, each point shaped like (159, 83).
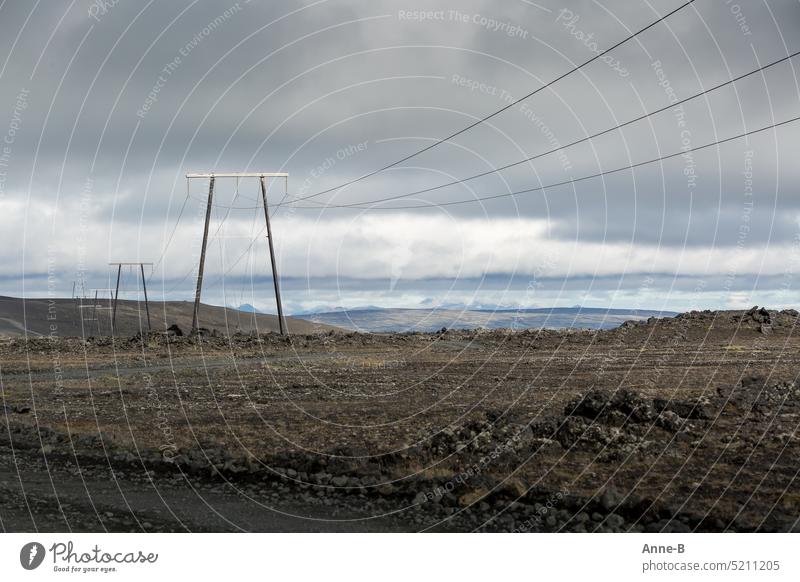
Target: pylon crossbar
(239, 175)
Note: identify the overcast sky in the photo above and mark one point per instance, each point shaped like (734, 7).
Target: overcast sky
(105, 105)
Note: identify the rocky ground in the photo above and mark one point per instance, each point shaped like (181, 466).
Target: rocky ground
(681, 424)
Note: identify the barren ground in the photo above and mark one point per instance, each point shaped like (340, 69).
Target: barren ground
(684, 424)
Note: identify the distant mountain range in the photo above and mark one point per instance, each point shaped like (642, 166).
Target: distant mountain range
(375, 319)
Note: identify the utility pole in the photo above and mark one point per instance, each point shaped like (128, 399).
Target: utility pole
(262, 176)
(196, 310)
(116, 297)
(94, 312)
(281, 320)
(116, 291)
(146, 303)
(97, 307)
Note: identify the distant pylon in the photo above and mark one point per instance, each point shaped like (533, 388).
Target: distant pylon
(119, 266)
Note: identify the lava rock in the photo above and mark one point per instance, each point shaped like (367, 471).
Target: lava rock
(669, 421)
(759, 315)
(589, 406)
(633, 405)
(174, 330)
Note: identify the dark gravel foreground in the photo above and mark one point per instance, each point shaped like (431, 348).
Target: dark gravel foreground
(667, 425)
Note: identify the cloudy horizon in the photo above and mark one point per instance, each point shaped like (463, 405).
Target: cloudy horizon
(107, 105)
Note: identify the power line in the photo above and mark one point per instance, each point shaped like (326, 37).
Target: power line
(177, 222)
(259, 205)
(499, 111)
(229, 206)
(246, 251)
(250, 264)
(570, 181)
(236, 195)
(554, 150)
(172, 234)
(273, 210)
(510, 194)
(370, 204)
(230, 268)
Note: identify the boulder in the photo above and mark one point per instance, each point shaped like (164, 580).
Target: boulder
(174, 330)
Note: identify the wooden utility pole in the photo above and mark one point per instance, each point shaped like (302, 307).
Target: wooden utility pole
(281, 320)
(116, 292)
(146, 303)
(94, 312)
(96, 307)
(116, 297)
(262, 176)
(197, 292)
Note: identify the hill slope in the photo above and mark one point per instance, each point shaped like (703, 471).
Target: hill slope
(66, 317)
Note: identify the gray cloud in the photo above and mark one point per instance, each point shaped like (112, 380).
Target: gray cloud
(122, 98)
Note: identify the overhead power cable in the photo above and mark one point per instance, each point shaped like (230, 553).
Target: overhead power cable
(213, 236)
(501, 110)
(228, 208)
(240, 257)
(172, 234)
(565, 182)
(553, 150)
(538, 188)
